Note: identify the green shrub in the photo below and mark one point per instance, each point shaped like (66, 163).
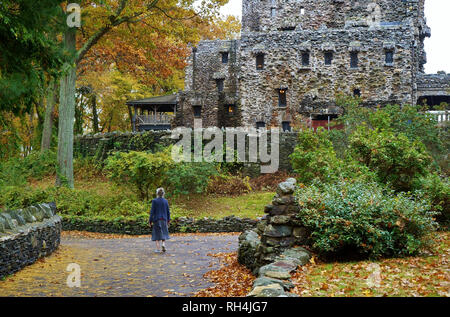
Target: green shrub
(144, 171)
(16, 171)
(314, 158)
(21, 196)
(392, 156)
(363, 219)
(189, 178)
(437, 191)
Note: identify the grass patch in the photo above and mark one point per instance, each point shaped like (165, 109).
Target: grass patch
(425, 275)
(97, 197)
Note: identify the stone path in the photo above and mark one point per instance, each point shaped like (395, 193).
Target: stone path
(123, 267)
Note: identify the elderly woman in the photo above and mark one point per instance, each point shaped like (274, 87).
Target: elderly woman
(160, 218)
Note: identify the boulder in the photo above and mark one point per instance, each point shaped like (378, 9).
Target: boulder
(279, 220)
(17, 215)
(299, 255)
(276, 231)
(28, 216)
(272, 290)
(8, 221)
(249, 244)
(265, 281)
(287, 187)
(47, 210)
(300, 234)
(37, 213)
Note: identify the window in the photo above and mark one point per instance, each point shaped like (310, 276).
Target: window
(328, 58)
(282, 98)
(357, 93)
(231, 109)
(219, 83)
(389, 57)
(197, 111)
(286, 125)
(260, 61)
(273, 12)
(224, 57)
(305, 58)
(260, 124)
(302, 11)
(354, 59)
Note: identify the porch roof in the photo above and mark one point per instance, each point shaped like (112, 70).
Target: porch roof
(160, 100)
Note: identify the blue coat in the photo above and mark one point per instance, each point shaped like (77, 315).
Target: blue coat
(160, 210)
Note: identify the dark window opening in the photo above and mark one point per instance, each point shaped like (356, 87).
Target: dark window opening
(282, 100)
(354, 59)
(273, 12)
(288, 28)
(224, 57)
(286, 125)
(389, 57)
(305, 58)
(231, 109)
(260, 61)
(328, 58)
(260, 124)
(357, 93)
(197, 111)
(219, 85)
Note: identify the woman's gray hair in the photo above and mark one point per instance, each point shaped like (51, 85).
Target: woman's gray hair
(160, 192)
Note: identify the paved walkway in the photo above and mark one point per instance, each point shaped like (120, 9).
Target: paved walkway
(123, 267)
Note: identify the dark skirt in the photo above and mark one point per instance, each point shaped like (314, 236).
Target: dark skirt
(160, 231)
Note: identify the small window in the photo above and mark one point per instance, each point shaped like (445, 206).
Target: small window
(273, 12)
(357, 93)
(389, 57)
(260, 124)
(286, 125)
(260, 61)
(197, 111)
(219, 83)
(328, 58)
(282, 102)
(354, 59)
(302, 11)
(305, 59)
(231, 109)
(224, 57)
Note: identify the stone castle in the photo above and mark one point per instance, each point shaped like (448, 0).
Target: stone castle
(295, 57)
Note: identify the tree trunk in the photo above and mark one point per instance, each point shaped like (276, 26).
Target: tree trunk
(94, 113)
(66, 116)
(48, 119)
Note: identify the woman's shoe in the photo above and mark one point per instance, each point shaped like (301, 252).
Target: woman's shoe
(163, 249)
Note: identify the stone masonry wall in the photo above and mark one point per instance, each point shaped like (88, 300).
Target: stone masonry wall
(315, 87)
(101, 145)
(27, 235)
(278, 231)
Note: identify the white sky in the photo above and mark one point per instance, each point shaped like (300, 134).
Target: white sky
(437, 47)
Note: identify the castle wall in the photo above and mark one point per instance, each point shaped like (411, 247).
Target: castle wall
(271, 15)
(314, 88)
(205, 69)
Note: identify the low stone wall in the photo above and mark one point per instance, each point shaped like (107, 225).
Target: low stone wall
(273, 250)
(178, 225)
(100, 146)
(27, 235)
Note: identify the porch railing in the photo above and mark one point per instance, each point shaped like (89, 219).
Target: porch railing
(153, 119)
(440, 116)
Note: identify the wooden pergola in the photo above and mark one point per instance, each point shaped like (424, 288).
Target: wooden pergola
(155, 113)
